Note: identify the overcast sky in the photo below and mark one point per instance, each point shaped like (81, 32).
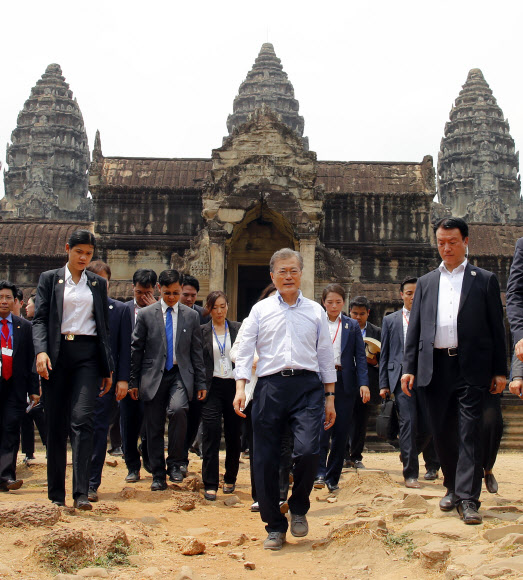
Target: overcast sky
(375, 80)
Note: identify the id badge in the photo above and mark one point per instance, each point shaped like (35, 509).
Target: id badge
(224, 366)
(7, 351)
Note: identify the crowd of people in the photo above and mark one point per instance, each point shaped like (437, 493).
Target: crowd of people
(296, 380)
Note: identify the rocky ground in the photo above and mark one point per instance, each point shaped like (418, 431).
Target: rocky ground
(372, 528)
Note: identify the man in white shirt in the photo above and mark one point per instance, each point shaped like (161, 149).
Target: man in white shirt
(295, 386)
(455, 350)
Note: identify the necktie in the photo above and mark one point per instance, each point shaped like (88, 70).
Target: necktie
(169, 335)
(7, 361)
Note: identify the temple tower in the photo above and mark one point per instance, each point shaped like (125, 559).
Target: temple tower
(49, 155)
(477, 163)
(268, 84)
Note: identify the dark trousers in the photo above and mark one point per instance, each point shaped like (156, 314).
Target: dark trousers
(414, 433)
(455, 410)
(217, 405)
(36, 416)
(358, 429)
(11, 413)
(337, 435)
(491, 429)
(115, 435)
(103, 412)
(172, 401)
(132, 426)
(194, 416)
(69, 397)
(299, 402)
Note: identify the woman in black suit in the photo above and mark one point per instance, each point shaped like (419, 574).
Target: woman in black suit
(73, 357)
(218, 337)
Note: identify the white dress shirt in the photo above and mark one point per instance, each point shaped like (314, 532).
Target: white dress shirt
(405, 317)
(449, 295)
(286, 337)
(222, 373)
(249, 387)
(174, 315)
(78, 309)
(335, 332)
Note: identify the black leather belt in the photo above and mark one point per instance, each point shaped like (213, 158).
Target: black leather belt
(294, 372)
(79, 338)
(453, 351)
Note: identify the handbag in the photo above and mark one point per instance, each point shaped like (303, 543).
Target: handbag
(387, 424)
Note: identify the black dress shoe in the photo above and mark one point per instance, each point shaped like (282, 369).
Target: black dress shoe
(158, 484)
(332, 486)
(183, 469)
(449, 502)
(319, 483)
(469, 512)
(116, 452)
(12, 484)
(431, 475)
(59, 503)
(412, 483)
(491, 483)
(92, 494)
(133, 476)
(176, 475)
(82, 503)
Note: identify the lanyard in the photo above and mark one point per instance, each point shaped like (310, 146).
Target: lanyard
(406, 319)
(9, 342)
(337, 330)
(220, 347)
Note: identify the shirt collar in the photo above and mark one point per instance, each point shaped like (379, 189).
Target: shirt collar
(406, 312)
(461, 268)
(335, 321)
(164, 307)
(69, 277)
(298, 300)
(9, 318)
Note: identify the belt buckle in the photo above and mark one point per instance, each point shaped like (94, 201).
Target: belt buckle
(69, 337)
(287, 372)
(453, 351)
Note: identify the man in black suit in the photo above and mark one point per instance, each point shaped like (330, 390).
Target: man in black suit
(515, 299)
(120, 333)
(455, 350)
(190, 289)
(414, 433)
(166, 368)
(359, 310)
(131, 408)
(17, 382)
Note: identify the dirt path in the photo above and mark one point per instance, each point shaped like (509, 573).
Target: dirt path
(157, 524)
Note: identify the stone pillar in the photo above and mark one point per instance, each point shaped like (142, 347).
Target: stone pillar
(217, 265)
(308, 252)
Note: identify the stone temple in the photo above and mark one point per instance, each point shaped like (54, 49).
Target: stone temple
(364, 224)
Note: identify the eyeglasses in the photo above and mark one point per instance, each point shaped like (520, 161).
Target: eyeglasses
(293, 272)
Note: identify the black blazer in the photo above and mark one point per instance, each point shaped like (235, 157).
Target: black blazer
(47, 321)
(353, 361)
(24, 381)
(481, 332)
(121, 330)
(392, 348)
(208, 353)
(374, 331)
(203, 319)
(515, 293)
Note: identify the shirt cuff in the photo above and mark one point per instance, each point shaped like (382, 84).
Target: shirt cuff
(241, 373)
(329, 377)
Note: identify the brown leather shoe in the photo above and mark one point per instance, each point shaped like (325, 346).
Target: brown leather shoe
(412, 482)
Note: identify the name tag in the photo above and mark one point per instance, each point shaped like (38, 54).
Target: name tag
(7, 351)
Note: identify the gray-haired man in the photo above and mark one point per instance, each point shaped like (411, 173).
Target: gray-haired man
(295, 387)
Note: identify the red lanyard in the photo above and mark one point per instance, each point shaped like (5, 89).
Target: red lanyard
(406, 319)
(337, 330)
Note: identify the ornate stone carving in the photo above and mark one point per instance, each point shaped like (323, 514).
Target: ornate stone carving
(477, 164)
(267, 84)
(49, 155)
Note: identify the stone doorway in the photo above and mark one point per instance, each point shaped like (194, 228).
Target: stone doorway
(251, 281)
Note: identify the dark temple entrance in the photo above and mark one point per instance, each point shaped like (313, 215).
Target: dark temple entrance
(251, 281)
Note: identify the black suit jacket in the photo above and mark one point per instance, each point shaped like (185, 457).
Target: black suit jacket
(24, 381)
(374, 331)
(203, 319)
(208, 353)
(481, 333)
(47, 321)
(121, 330)
(392, 348)
(352, 357)
(515, 293)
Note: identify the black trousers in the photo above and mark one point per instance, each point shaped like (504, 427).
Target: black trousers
(11, 413)
(414, 436)
(217, 405)
(298, 401)
(358, 429)
(103, 413)
(132, 426)
(115, 435)
(69, 398)
(455, 410)
(336, 437)
(193, 424)
(491, 429)
(170, 401)
(36, 416)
